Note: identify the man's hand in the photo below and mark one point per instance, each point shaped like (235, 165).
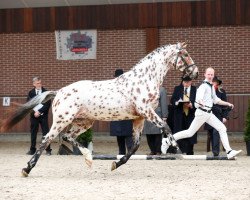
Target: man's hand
(230, 105)
(224, 120)
(188, 105)
(37, 114)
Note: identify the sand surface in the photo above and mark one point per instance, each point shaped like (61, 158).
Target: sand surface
(68, 177)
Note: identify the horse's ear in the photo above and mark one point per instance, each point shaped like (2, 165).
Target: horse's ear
(179, 45)
(183, 45)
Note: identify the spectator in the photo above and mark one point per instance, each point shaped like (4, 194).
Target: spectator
(221, 113)
(122, 129)
(38, 116)
(153, 133)
(184, 113)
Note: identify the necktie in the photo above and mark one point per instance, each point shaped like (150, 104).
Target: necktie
(37, 92)
(185, 98)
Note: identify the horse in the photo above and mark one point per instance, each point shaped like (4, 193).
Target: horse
(133, 95)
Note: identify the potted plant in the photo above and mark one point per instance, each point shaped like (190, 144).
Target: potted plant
(247, 130)
(85, 139)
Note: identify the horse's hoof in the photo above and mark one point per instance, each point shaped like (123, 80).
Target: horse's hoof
(89, 162)
(113, 167)
(24, 172)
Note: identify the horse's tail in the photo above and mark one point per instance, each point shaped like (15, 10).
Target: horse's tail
(26, 108)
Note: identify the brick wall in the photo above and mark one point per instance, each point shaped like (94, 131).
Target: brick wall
(30, 54)
(227, 49)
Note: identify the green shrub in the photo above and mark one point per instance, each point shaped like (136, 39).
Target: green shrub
(247, 127)
(85, 137)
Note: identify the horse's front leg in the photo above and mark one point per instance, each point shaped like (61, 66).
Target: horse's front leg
(137, 129)
(168, 139)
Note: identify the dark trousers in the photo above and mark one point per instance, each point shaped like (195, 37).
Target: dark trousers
(154, 142)
(34, 126)
(215, 140)
(185, 144)
(123, 142)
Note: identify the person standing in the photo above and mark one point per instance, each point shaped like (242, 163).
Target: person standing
(221, 113)
(205, 97)
(38, 116)
(184, 113)
(153, 133)
(123, 129)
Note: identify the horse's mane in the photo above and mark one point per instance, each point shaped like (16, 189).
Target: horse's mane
(153, 53)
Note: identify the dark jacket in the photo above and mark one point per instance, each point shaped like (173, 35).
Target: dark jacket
(218, 110)
(45, 109)
(178, 110)
(121, 128)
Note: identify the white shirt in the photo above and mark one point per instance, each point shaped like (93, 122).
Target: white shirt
(206, 95)
(38, 92)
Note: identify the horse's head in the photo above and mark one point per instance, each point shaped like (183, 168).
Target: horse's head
(184, 62)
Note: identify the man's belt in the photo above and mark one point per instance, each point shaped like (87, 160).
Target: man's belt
(208, 111)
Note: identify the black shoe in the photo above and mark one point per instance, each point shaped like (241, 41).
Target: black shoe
(172, 149)
(48, 153)
(31, 152)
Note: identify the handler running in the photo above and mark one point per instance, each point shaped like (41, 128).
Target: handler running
(205, 97)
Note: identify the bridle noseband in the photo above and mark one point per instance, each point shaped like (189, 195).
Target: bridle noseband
(184, 61)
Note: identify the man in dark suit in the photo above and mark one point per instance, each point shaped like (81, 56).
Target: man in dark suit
(122, 129)
(38, 116)
(221, 113)
(182, 100)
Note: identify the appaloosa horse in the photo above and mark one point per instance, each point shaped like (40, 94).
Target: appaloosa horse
(133, 95)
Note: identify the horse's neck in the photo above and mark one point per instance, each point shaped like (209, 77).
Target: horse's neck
(156, 64)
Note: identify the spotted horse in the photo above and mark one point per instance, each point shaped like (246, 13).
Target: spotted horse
(133, 95)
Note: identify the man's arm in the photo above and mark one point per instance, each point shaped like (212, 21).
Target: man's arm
(225, 103)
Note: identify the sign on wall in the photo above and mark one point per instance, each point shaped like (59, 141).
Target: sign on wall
(76, 44)
(6, 101)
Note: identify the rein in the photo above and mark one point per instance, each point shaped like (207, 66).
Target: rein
(197, 102)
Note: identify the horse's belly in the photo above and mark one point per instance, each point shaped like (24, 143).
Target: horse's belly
(110, 113)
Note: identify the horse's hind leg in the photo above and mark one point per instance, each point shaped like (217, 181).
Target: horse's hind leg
(137, 129)
(71, 135)
(44, 144)
(85, 151)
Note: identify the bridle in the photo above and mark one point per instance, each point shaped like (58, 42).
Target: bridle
(185, 63)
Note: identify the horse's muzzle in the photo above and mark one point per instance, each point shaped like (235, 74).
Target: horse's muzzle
(195, 73)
